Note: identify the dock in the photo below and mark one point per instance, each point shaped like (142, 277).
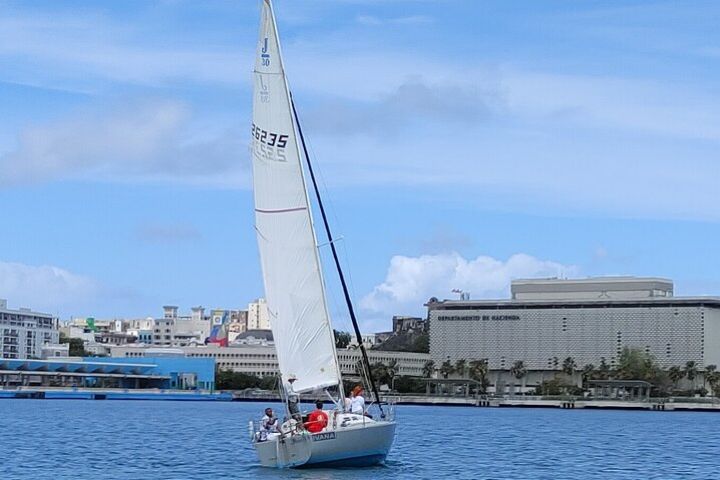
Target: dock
(653, 404)
(50, 393)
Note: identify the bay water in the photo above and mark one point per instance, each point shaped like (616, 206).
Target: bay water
(78, 439)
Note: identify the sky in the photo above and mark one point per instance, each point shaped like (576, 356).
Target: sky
(460, 144)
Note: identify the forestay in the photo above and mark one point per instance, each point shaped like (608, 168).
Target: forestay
(294, 290)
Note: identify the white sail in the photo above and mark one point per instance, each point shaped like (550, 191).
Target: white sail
(294, 288)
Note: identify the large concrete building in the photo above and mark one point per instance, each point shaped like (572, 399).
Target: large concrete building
(261, 360)
(23, 333)
(590, 320)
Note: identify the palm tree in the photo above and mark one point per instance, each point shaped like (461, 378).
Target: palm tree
(713, 378)
(518, 370)
(675, 374)
(428, 369)
(569, 366)
(478, 371)
(446, 368)
(379, 372)
(603, 369)
(691, 371)
(709, 370)
(460, 367)
(555, 363)
(391, 370)
(587, 372)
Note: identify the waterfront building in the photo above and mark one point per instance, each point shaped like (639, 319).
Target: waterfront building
(115, 338)
(162, 372)
(369, 340)
(163, 330)
(172, 329)
(402, 324)
(255, 337)
(96, 349)
(238, 324)
(260, 360)
(23, 333)
(382, 337)
(59, 350)
(235, 330)
(181, 330)
(144, 324)
(143, 336)
(591, 320)
(258, 317)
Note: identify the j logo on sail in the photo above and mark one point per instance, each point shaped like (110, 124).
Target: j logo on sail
(265, 56)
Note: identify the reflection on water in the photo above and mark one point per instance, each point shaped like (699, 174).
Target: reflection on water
(74, 439)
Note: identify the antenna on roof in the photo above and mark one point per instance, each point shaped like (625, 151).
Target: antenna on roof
(463, 295)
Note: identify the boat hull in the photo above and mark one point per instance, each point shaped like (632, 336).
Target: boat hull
(354, 446)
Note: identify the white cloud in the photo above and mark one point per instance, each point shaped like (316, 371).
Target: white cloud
(633, 105)
(44, 288)
(411, 281)
(148, 140)
(77, 49)
(414, 102)
(615, 102)
(575, 144)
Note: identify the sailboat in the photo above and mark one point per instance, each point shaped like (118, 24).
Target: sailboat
(294, 284)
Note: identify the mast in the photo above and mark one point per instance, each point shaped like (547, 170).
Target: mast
(346, 293)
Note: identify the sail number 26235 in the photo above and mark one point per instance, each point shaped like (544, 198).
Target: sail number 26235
(269, 138)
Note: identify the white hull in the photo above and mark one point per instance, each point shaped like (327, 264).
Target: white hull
(361, 444)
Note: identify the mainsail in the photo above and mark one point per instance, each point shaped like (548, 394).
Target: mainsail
(294, 287)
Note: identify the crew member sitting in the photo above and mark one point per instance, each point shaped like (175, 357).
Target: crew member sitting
(317, 420)
(269, 424)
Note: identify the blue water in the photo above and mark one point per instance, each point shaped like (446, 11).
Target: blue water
(76, 439)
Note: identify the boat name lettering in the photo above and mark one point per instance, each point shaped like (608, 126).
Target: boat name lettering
(319, 437)
(478, 317)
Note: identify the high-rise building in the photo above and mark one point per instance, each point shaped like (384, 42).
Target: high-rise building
(258, 317)
(23, 333)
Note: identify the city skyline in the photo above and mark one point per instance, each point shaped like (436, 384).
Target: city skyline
(461, 145)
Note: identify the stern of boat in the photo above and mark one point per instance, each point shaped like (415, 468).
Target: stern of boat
(284, 451)
(355, 441)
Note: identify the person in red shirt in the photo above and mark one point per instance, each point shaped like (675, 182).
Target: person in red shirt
(317, 420)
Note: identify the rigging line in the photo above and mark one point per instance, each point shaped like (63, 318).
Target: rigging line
(331, 208)
(337, 260)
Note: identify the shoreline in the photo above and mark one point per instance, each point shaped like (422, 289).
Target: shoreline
(568, 403)
(45, 393)
(679, 404)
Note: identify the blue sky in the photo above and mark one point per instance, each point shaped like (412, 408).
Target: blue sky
(461, 144)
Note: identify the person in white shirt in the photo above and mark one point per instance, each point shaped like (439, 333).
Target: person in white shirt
(270, 421)
(293, 399)
(268, 425)
(357, 401)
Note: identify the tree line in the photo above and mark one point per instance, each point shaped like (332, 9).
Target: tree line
(632, 364)
(230, 380)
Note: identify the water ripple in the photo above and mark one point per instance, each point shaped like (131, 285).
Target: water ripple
(116, 440)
